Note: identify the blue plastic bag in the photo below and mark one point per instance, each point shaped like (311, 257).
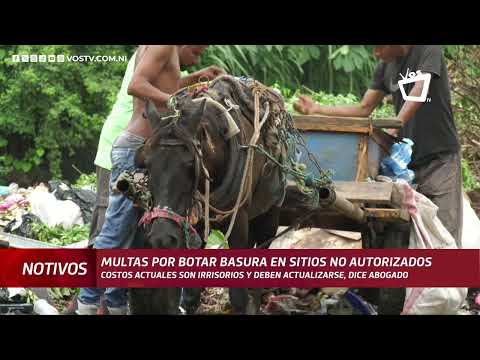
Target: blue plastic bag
(395, 166)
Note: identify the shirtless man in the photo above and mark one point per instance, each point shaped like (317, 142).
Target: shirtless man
(156, 77)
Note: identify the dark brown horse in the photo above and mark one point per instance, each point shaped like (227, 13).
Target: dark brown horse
(209, 137)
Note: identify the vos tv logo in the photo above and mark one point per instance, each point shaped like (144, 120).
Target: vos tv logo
(414, 77)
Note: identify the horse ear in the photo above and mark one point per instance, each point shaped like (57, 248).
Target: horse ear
(192, 114)
(153, 116)
(140, 157)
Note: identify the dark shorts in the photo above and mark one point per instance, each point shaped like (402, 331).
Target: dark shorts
(441, 181)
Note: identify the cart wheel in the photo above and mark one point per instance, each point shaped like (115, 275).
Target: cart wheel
(391, 299)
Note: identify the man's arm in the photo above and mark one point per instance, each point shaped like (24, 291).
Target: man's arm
(140, 50)
(153, 62)
(410, 107)
(370, 101)
(189, 80)
(210, 73)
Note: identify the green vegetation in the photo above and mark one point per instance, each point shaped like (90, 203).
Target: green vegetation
(87, 180)
(464, 74)
(291, 96)
(49, 111)
(331, 68)
(58, 235)
(470, 181)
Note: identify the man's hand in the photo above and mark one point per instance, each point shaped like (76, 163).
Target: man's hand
(305, 105)
(210, 73)
(370, 100)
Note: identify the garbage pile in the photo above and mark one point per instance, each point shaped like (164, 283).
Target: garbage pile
(315, 302)
(20, 301)
(327, 301)
(55, 205)
(293, 301)
(296, 301)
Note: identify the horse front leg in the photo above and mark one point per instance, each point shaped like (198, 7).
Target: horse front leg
(239, 298)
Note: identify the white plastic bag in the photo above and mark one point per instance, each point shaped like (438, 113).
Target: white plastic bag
(54, 212)
(42, 307)
(428, 232)
(471, 226)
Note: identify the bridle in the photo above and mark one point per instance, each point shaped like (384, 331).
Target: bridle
(192, 239)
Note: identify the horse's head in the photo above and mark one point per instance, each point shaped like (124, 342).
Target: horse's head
(171, 157)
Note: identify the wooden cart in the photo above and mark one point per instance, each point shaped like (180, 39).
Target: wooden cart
(353, 148)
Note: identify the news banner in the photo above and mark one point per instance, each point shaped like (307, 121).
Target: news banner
(252, 268)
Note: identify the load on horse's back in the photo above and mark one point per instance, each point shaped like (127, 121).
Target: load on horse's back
(216, 160)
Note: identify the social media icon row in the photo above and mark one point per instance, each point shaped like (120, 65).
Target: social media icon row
(38, 58)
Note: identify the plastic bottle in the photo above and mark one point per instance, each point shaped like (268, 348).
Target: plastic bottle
(42, 307)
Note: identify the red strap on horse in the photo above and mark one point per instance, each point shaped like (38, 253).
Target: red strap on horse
(156, 213)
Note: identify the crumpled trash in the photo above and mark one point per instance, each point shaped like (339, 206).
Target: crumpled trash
(42, 307)
(214, 301)
(282, 305)
(54, 212)
(17, 294)
(4, 295)
(359, 304)
(13, 295)
(14, 301)
(293, 301)
(84, 198)
(332, 301)
(316, 238)
(22, 225)
(12, 201)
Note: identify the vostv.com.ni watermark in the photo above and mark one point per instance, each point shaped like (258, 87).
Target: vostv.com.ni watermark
(36, 58)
